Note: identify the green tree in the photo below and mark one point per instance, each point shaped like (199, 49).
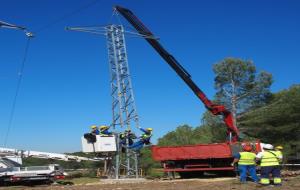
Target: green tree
(182, 135)
(215, 126)
(147, 163)
(278, 122)
(187, 135)
(239, 86)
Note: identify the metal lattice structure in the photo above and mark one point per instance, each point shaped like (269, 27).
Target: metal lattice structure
(124, 113)
(123, 104)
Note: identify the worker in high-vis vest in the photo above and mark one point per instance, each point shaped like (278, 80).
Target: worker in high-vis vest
(144, 139)
(246, 164)
(278, 150)
(269, 162)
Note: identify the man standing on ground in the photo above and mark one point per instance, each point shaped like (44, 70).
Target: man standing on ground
(278, 150)
(246, 163)
(269, 162)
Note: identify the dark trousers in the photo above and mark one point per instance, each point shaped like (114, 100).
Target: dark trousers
(91, 138)
(265, 175)
(267, 170)
(137, 145)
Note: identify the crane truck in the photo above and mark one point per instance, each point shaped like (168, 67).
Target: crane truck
(191, 159)
(11, 170)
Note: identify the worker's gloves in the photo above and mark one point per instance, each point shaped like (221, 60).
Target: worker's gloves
(232, 164)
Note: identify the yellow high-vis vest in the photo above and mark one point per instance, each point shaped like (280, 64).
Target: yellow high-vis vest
(270, 158)
(247, 158)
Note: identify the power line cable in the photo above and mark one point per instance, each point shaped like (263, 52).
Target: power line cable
(12, 113)
(30, 35)
(91, 3)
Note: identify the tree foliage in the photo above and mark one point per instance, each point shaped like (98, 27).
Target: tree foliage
(239, 86)
(147, 163)
(182, 135)
(187, 135)
(278, 122)
(216, 127)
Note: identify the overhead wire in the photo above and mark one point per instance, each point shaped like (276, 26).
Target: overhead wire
(111, 17)
(76, 11)
(20, 74)
(20, 77)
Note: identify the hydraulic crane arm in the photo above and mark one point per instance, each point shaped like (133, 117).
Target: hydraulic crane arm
(43, 155)
(184, 75)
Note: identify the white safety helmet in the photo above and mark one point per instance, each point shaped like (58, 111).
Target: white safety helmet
(268, 146)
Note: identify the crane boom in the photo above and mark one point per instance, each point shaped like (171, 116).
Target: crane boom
(44, 155)
(183, 74)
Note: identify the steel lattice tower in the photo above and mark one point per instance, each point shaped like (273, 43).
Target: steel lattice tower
(123, 104)
(124, 113)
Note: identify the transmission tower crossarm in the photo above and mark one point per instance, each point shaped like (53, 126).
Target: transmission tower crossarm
(15, 27)
(12, 26)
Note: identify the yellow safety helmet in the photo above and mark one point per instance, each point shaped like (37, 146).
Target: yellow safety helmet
(102, 127)
(279, 147)
(94, 127)
(149, 129)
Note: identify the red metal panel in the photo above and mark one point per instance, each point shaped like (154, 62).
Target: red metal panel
(200, 151)
(196, 165)
(199, 169)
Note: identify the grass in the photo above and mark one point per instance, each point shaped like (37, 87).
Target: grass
(156, 173)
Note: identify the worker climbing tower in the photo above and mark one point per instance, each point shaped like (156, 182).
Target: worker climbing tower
(124, 113)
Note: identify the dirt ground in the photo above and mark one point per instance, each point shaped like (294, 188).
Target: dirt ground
(292, 183)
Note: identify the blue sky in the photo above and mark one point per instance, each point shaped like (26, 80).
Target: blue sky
(66, 87)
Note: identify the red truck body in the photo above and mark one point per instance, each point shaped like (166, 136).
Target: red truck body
(200, 151)
(200, 157)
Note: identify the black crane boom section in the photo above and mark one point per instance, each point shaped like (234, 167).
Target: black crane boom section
(178, 68)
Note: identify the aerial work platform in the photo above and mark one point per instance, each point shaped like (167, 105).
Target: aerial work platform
(102, 144)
